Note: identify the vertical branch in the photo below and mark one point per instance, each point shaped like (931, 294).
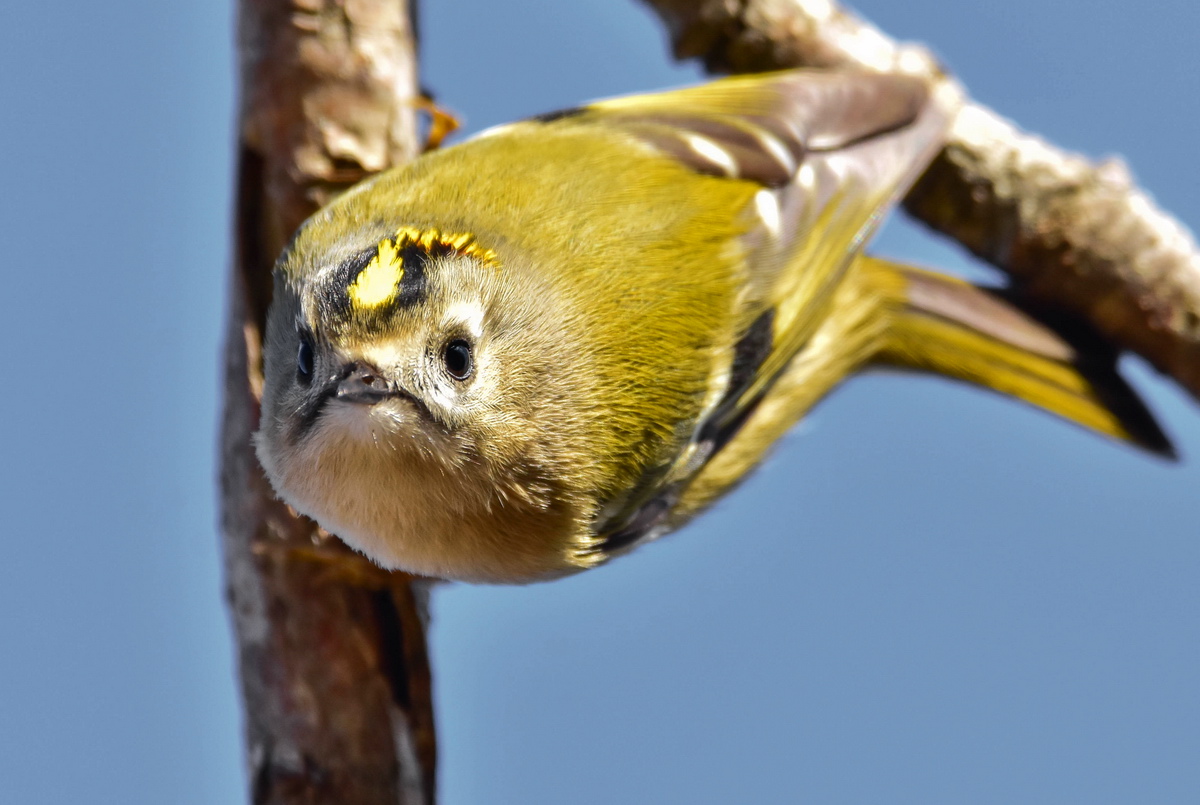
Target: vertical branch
(335, 677)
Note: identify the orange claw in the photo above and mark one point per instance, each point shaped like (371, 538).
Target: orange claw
(442, 123)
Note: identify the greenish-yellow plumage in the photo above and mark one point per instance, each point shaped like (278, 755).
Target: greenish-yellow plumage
(518, 357)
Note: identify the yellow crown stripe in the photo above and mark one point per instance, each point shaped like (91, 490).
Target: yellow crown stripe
(431, 240)
(377, 283)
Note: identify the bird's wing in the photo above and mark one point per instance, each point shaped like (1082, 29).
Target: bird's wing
(830, 153)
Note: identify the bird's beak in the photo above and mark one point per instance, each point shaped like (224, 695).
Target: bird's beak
(362, 383)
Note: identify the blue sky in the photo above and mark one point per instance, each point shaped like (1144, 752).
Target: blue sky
(927, 595)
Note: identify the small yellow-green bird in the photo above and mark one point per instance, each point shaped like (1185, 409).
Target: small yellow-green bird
(516, 358)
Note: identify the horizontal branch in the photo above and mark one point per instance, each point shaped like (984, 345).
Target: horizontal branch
(1073, 234)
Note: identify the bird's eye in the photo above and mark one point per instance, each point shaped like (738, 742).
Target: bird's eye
(459, 362)
(304, 359)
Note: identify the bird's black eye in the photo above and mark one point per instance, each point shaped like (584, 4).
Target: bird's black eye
(304, 359)
(459, 362)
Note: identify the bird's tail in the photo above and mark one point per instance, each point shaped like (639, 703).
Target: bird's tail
(945, 326)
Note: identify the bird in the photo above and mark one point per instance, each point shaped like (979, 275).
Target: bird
(521, 356)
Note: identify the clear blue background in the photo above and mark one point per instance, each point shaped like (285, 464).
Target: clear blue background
(928, 595)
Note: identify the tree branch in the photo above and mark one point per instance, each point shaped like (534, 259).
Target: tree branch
(1074, 235)
(334, 671)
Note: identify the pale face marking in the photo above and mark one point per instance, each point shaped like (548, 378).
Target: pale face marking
(468, 313)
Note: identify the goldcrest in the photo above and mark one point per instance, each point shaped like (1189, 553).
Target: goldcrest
(516, 358)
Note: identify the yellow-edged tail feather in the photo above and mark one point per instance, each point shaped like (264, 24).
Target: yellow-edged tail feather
(949, 327)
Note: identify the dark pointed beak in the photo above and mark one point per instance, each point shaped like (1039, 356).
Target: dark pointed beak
(362, 383)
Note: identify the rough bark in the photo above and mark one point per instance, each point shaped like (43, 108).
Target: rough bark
(332, 654)
(1073, 235)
